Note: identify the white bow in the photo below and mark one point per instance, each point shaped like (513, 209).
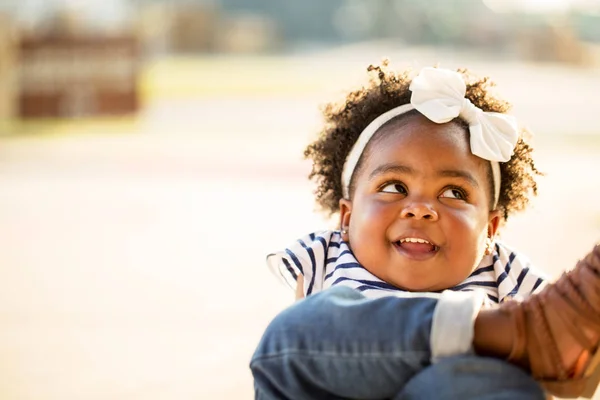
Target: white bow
(439, 94)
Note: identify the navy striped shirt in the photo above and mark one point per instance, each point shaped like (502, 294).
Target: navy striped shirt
(326, 260)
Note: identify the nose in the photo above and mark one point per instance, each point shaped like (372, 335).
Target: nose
(419, 210)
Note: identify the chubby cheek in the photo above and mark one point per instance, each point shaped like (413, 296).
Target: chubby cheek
(368, 228)
(466, 234)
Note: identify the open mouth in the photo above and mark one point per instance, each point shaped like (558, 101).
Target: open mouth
(416, 247)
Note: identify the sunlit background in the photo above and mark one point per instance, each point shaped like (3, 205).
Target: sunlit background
(151, 156)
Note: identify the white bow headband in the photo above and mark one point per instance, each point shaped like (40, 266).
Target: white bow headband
(439, 95)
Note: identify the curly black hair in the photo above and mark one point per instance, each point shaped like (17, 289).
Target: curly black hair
(344, 121)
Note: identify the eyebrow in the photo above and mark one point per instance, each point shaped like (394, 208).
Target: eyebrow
(457, 173)
(385, 168)
(399, 168)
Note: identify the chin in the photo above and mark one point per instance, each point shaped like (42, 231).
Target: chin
(418, 285)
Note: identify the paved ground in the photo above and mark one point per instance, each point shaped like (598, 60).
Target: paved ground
(132, 262)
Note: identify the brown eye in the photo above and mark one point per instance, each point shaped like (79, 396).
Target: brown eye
(394, 188)
(454, 193)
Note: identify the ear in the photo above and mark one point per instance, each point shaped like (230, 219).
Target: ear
(493, 223)
(345, 212)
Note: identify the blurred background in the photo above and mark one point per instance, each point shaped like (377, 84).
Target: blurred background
(151, 156)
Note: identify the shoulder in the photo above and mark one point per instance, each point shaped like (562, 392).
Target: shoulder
(305, 256)
(516, 275)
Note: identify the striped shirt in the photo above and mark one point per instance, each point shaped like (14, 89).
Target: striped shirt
(325, 260)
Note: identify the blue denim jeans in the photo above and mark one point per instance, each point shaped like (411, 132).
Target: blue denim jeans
(338, 344)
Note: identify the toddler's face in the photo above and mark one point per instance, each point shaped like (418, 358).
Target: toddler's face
(419, 216)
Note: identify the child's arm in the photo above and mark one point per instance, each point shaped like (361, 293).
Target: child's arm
(305, 260)
(300, 287)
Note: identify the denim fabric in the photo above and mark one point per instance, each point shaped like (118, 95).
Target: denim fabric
(471, 377)
(337, 344)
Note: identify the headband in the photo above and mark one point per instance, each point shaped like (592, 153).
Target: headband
(439, 95)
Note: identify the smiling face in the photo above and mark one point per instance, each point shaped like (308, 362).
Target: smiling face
(420, 213)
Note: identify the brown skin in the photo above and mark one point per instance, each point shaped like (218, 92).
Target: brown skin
(347, 118)
(300, 287)
(406, 190)
(412, 197)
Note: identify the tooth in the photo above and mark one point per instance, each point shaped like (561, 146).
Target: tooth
(414, 240)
